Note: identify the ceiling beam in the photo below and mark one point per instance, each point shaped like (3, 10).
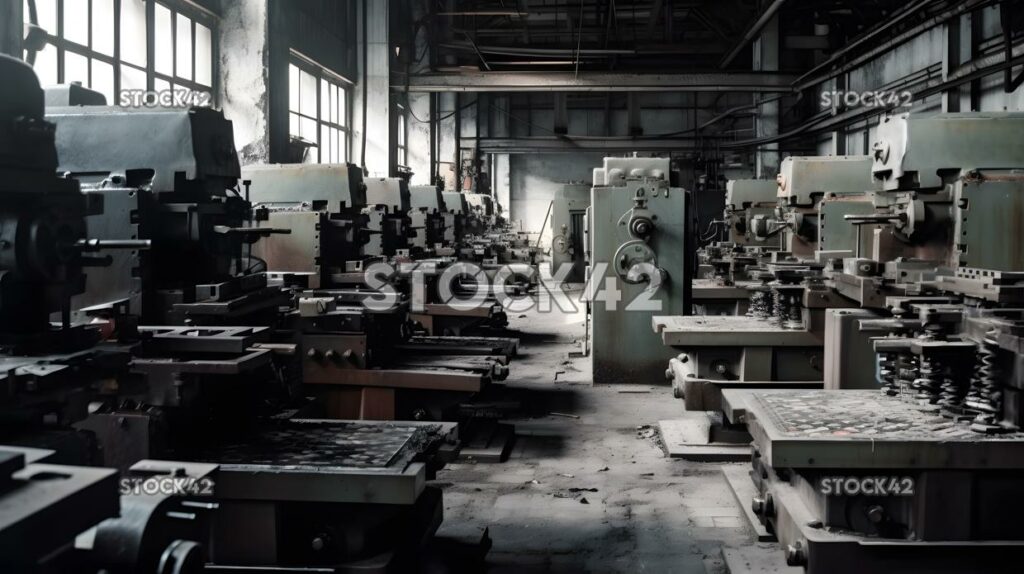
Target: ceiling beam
(551, 144)
(755, 28)
(593, 82)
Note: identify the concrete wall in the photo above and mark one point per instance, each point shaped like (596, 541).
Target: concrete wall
(533, 179)
(245, 77)
(901, 69)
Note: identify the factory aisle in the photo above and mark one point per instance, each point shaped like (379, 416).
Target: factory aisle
(587, 487)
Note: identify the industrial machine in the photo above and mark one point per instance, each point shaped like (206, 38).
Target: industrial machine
(51, 494)
(723, 277)
(323, 207)
(639, 266)
(388, 204)
(780, 336)
(169, 176)
(457, 211)
(854, 480)
(568, 217)
(293, 490)
(428, 220)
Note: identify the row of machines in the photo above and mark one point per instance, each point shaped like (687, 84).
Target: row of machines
(907, 457)
(176, 401)
(769, 286)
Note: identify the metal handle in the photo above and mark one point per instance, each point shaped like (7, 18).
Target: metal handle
(103, 244)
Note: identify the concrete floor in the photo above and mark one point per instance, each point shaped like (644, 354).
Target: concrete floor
(593, 491)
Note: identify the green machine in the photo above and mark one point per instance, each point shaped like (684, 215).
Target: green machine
(639, 267)
(568, 217)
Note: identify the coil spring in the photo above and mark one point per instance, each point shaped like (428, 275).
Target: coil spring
(887, 373)
(927, 383)
(906, 373)
(985, 394)
(780, 307)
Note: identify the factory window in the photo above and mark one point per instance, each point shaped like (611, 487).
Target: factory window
(105, 44)
(401, 148)
(318, 111)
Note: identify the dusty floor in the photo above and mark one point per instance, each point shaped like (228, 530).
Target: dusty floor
(593, 493)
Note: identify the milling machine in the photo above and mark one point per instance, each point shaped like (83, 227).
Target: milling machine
(293, 490)
(640, 266)
(428, 221)
(455, 220)
(568, 220)
(723, 278)
(925, 468)
(779, 337)
(169, 176)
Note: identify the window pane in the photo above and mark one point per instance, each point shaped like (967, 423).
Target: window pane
(161, 85)
(325, 144)
(46, 12)
(184, 48)
(336, 145)
(325, 100)
(76, 68)
(132, 78)
(164, 41)
(293, 88)
(307, 94)
(133, 31)
(103, 80)
(204, 55)
(46, 65)
(103, 26)
(343, 146)
(334, 104)
(293, 124)
(76, 21)
(307, 129)
(342, 107)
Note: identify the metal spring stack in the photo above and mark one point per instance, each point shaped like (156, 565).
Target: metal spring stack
(985, 395)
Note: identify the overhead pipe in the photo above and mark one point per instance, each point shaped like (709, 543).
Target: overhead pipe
(806, 81)
(752, 32)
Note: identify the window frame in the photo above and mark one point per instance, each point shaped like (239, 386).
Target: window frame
(401, 136)
(320, 74)
(196, 15)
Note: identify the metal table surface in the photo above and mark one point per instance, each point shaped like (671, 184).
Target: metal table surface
(329, 461)
(863, 429)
